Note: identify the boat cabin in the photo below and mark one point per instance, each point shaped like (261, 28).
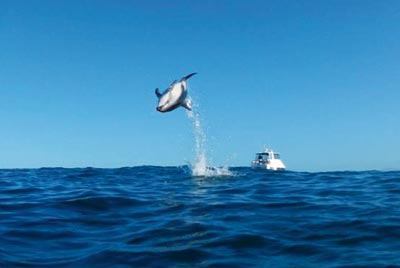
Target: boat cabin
(267, 156)
(268, 159)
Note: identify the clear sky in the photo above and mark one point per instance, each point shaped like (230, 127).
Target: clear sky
(318, 81)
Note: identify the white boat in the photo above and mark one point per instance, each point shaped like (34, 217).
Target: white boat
(268, 159)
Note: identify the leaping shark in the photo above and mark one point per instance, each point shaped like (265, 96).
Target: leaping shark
(174, 96)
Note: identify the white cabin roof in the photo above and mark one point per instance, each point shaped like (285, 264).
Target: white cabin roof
(268, 151)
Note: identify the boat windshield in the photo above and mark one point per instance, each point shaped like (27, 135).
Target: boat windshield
(263, 156)
(277, 156)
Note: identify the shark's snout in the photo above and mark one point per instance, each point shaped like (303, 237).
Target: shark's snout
(160, 109)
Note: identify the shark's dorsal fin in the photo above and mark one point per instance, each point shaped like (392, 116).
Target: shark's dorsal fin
(188, 76)
(158, 94)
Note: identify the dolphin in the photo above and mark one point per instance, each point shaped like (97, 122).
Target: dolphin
(174, 96)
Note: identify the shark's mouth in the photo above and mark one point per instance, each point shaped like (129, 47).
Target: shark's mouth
(160, 109)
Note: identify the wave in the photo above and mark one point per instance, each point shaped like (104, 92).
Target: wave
(164, 217)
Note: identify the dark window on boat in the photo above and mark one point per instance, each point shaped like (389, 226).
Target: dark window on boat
(277, 156)
(263, 157)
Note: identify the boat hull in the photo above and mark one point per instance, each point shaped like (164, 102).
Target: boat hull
(278, 165)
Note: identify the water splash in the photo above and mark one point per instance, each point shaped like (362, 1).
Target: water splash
(200, 167)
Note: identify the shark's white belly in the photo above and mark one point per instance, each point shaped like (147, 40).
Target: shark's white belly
(176, 93)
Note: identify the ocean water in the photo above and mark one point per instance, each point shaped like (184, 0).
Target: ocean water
(165, 217)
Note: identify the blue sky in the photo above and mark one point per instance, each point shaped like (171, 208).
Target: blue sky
(318, 81)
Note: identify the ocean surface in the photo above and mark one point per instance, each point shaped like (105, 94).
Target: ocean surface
(164, 217)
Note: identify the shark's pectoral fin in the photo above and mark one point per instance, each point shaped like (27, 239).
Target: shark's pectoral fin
(187, 104)
(158, 94)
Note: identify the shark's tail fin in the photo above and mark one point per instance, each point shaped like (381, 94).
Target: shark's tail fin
(188, 76)
(187, 104)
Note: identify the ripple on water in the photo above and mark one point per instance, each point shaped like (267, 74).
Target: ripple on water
(163, 217)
